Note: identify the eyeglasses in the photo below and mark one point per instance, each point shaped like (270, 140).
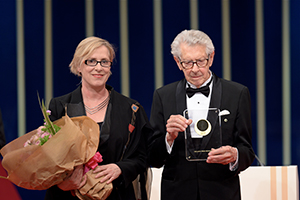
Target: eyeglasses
(93, 63)
(189, 64)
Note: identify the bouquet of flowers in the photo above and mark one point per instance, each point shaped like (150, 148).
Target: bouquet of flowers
(46, 156)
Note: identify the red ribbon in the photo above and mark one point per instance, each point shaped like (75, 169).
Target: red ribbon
(93, 162)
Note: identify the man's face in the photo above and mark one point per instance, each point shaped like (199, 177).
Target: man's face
(195, 75)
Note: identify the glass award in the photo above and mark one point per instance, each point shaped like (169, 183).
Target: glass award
(203, 134)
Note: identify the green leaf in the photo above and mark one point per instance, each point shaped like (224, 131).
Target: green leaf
(44, 140)
(49, 127)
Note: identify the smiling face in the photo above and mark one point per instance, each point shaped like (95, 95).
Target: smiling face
(195, 75)
(97, 76)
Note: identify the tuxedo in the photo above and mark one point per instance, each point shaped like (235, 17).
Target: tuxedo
(183, 179)
(114, 133)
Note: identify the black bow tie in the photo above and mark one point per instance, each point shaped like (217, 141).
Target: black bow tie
(204, 90)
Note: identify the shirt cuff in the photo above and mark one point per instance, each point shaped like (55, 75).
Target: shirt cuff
(234, 165)
(169, 148)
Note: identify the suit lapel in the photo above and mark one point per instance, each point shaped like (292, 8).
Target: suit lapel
(215, 101)
(180, 97)
(75, 107)
(180, 100)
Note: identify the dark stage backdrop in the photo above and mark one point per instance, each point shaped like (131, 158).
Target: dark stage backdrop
(256, 42)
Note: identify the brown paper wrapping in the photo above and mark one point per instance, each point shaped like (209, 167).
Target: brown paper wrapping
(94, 189)
(40, 167)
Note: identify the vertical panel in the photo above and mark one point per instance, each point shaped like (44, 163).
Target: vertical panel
(286, 94)
(34, 29)
(260, 84)
(89, 18)
(124, 48)
(21, 69)
(158, 41)
(226, 50)
(48, 52)
(194, 14)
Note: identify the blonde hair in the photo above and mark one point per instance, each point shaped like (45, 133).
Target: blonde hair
(85, 48)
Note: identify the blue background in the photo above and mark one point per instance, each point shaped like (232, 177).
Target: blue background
(68, 29)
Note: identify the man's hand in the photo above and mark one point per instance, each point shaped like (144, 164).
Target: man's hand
(75, 181)
(175, 124)
(109, 171)
(223, 155)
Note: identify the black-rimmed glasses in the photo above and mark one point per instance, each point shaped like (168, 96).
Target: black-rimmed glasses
(93, 63)
(189, 64)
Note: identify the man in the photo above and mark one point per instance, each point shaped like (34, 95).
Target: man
(217, 177)
(2, 136)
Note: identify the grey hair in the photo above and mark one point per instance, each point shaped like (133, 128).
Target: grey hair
(191, 37)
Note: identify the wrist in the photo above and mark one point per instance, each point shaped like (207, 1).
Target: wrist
(169, 139)
(234, 150)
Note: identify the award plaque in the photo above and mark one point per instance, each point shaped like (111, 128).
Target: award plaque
(203, 134)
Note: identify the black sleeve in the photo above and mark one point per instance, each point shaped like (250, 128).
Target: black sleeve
(244, 131)
(56, 108)
(157, 151)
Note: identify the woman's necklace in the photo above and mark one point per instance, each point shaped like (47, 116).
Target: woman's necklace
(98, 107)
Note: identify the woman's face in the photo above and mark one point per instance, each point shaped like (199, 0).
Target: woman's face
(95, 76)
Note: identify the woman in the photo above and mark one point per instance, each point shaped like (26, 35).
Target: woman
(113, 112)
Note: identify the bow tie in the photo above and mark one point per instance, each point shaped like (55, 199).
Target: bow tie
(204, 90)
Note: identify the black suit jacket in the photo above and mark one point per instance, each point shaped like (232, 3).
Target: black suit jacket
(116, 123)
(182, 179)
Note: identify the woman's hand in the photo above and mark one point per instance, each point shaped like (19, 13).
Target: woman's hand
(75, 181)
(109, 171)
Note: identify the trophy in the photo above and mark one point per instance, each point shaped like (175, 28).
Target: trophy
(203, 134)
